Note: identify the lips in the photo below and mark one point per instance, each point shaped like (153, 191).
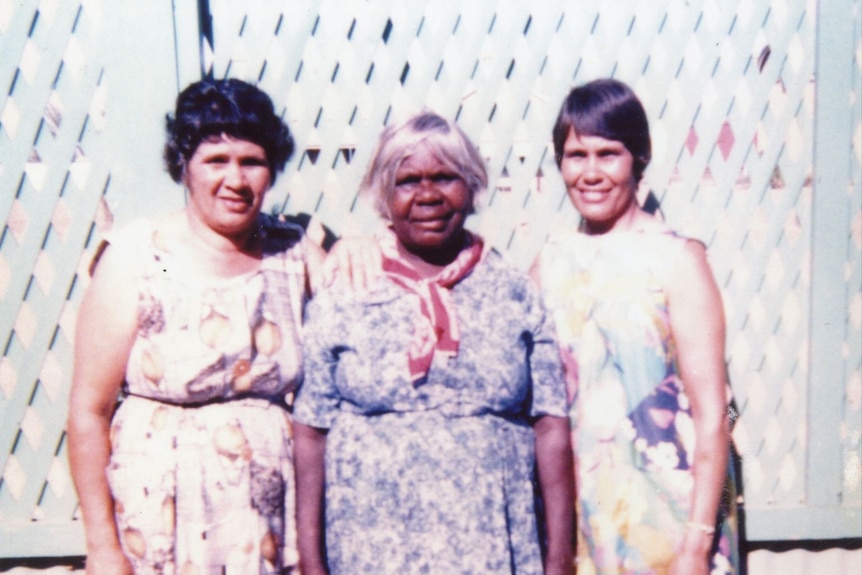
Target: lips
(594, 195)
(235, 203)
(436, 223)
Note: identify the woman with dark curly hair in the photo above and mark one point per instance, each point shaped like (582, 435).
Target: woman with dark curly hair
(195, 317)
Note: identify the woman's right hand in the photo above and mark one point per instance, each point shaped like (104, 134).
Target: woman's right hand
(355, 261)
(108, 561)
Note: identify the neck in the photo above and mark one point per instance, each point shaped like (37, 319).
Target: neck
(245, 243)
(429, 264)
(630, 220)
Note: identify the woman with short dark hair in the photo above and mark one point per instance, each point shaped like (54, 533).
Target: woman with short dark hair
(641, 329)
(195, 317)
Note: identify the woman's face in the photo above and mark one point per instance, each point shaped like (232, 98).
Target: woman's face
(428, 206)
(599, 180)
(227, 180)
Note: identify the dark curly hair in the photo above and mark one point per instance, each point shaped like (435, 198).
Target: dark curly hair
(609, 109)
(210, 108)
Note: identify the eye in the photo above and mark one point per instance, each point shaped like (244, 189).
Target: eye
(444, 178)
(407, 180)
(574, 154)
(254, 161)
(216, 159)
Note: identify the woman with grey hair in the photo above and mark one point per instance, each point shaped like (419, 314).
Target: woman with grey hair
(434, 399)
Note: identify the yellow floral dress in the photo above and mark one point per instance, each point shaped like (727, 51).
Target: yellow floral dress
(633, 433)
(201, 467)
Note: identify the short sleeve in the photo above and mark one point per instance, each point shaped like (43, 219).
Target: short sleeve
(546, 369)
(317, 399)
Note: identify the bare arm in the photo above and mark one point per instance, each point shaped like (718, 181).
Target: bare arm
(555, 462)
(556, 478)
(103, 338)
(697, 324)
(309, 451)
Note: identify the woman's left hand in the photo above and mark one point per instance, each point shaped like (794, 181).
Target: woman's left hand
(689, 562)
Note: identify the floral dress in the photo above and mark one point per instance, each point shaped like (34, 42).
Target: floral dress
(201, 467)
(633, 433)
(435, 476)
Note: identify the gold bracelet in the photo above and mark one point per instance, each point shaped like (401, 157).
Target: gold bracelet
(702, 527)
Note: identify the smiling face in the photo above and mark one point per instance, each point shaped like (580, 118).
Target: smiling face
(427, 207)
(600, 182)
(227, 179)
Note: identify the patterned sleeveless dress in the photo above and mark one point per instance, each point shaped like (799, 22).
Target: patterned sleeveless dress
(633, 432)
(201, 467)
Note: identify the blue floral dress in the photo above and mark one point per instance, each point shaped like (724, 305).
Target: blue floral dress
(201, 467)
(633, 433)
(435, 477)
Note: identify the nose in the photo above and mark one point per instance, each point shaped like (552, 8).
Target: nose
(592, 171)
(235, 176)
(428, 192)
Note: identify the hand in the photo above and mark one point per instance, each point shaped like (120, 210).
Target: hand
(560, 568)
(690, 563)
(318, 570)
(353, 260)
(109, 561)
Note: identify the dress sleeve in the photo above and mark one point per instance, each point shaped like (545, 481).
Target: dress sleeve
(546, 370)
(317, 398)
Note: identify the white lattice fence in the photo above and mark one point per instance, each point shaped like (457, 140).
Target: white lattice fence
(729, 90)
(58, 157)
(852, 346)
(728, 87)
(51, 192)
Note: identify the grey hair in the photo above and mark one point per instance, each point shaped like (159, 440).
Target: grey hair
(442, 137)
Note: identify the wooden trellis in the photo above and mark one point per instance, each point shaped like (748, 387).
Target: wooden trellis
(741, 161)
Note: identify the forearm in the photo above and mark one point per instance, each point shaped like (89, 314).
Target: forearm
(89, 454)
(556, 480)
(697, 324)
(710, 471)
(309, 454)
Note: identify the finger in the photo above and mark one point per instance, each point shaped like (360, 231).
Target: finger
(331, 265)
(343, 272)
(372, 261)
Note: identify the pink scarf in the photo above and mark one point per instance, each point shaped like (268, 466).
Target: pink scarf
(436, 329)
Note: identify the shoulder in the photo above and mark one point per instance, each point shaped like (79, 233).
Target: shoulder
(691, 259)
(124, 246)
(496, 263)
(279, 235)
(496, 275)
(134, 234)
(681, 252)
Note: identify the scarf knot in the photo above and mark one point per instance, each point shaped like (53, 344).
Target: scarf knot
(435, 327)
